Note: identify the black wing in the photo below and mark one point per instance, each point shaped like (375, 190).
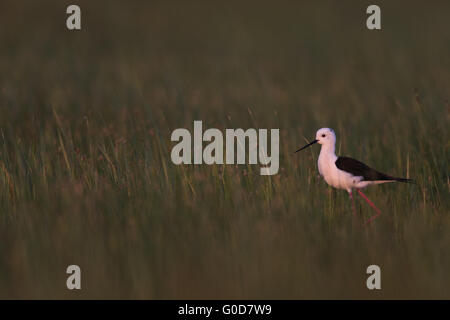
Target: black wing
(358, 168)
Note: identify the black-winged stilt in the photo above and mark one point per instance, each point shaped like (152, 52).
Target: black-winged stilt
(346, 173)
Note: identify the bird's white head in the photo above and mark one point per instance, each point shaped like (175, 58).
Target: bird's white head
(326, 137)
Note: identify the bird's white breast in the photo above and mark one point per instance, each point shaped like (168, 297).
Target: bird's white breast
(332, 175)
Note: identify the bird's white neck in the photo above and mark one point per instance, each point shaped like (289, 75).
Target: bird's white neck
(328, 150)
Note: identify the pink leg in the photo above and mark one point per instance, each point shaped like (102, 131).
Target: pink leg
(353, 202)
(372, 205)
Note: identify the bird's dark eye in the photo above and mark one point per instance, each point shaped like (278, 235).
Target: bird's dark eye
(323, 136)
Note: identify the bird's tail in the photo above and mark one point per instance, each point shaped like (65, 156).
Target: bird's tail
(403, 180)
(385, 177)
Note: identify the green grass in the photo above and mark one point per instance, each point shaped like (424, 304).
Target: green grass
(85, 170)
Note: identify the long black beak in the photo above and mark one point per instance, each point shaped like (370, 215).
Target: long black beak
(309, 144)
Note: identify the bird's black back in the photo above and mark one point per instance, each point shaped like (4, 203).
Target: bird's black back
(357, 168)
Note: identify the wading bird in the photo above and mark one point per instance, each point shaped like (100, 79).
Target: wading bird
(347, 173)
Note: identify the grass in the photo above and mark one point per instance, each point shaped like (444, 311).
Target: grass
(85, 170)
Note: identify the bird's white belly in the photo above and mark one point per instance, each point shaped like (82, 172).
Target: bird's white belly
(334, 177)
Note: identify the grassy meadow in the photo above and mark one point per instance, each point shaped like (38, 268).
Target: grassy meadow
(86, 176)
